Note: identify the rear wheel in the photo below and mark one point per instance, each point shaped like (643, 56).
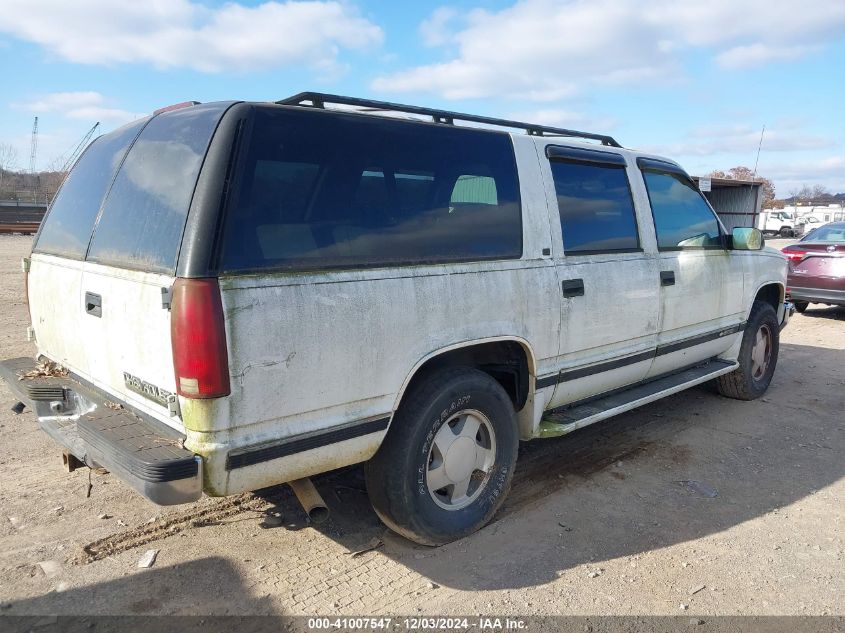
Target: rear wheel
(758, 356)
(447, 462)
(800, 306)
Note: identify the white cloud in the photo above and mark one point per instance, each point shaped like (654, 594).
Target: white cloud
(742, 139)
(83, 105)
(548, 49)
(565, 118)
(760, 54)
(436, 30)
(828, 171)
(541, 49)
(810, 171)
(62, 100)
(186, 34)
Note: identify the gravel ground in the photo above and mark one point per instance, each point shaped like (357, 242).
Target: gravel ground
(599, 522)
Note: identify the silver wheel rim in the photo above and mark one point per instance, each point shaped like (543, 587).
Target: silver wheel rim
(761, 352)
(460, 460)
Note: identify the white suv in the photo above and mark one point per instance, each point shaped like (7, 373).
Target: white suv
(246, 294)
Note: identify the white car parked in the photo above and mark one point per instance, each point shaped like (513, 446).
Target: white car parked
(247, 294)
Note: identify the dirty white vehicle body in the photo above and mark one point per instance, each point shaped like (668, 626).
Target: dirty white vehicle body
(317, 366)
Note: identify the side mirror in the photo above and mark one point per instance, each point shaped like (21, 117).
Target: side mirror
(747, 239)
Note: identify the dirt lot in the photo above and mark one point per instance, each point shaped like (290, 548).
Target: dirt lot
(599, 522)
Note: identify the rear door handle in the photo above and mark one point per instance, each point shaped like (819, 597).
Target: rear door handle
(93, 304)
(667, 277)
(573, 287)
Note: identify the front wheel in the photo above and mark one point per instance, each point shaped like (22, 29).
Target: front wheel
(758, 356)
(447, 462)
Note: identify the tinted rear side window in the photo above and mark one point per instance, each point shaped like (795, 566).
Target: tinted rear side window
(681, 216)
(144, 215)
(67, 227)
(320, 190)
(596, 207)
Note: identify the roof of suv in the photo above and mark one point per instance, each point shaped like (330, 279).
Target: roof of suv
(370, 107)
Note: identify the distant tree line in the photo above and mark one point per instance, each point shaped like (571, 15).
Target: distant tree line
(817, 194)
(21, 185)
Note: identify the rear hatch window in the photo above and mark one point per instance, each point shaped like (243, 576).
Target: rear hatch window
(67, 229)
(144, 216)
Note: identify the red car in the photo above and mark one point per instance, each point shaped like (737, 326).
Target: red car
(817, 267)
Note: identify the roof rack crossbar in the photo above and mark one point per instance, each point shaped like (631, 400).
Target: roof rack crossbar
(319, 100)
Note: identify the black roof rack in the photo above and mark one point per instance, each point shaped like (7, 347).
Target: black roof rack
(319, 100)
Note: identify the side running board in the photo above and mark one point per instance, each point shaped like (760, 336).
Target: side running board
(577, 415)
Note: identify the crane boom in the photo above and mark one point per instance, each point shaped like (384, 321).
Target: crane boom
(33, 146)
(32, 153)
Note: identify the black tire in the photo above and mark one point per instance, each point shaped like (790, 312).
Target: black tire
(785, 232)
(800, 306)
(397, 475)
(742, 384)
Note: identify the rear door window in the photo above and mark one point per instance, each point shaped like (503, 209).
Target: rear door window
(144, 216)
(318, 190)
(68, 225)
(595, 205)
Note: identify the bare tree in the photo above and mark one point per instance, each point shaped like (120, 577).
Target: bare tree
(820, 191)
(804, 193)
(813, 194)
(8, 160)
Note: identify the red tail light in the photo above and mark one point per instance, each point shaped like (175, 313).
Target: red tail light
(795, 256)
(198, 336)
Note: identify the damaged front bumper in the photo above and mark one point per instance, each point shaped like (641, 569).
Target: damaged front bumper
(99, 432)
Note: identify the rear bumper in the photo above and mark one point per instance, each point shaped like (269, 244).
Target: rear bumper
(817, 295)
(141, 451)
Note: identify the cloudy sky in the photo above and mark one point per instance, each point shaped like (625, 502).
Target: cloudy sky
(693, 80)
